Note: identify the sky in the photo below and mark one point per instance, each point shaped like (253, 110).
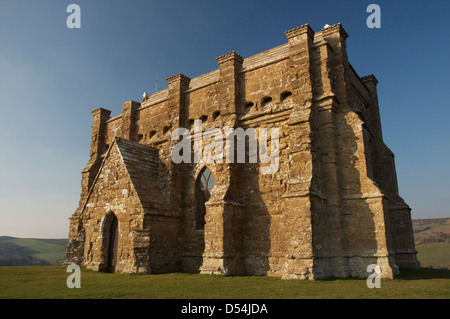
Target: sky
(52, 77)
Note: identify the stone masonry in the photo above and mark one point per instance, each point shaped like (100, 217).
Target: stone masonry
(331, 209)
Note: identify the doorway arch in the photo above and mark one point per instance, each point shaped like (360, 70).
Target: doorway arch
(111, 238)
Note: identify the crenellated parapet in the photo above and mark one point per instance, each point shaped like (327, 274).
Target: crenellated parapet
(230, 56)
(300, 31)
(370, 78)
(178, 78)
(333, 28)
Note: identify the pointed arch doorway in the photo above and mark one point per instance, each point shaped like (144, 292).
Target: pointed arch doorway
(204, 184)
(112, 236)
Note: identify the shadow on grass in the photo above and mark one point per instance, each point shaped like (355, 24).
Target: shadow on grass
(407, 274)
(423, 273)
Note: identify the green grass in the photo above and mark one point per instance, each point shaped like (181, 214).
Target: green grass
(434, 254)
(46, 282)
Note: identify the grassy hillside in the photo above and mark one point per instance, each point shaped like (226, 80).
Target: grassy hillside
(432, 239)
(31, 251)
(433, 230)
(435, 255)
(50, 281)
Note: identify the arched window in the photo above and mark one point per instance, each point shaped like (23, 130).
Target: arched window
(205, 182)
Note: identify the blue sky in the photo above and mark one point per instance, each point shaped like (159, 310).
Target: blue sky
(52, 77)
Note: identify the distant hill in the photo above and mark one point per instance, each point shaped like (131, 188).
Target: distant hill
(432, 239)
(432, 230)
(31, 251)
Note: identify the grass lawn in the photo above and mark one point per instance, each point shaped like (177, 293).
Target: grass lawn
(434, 253)
(48, 282)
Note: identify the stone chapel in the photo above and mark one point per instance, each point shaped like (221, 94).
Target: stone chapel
(331, 209)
